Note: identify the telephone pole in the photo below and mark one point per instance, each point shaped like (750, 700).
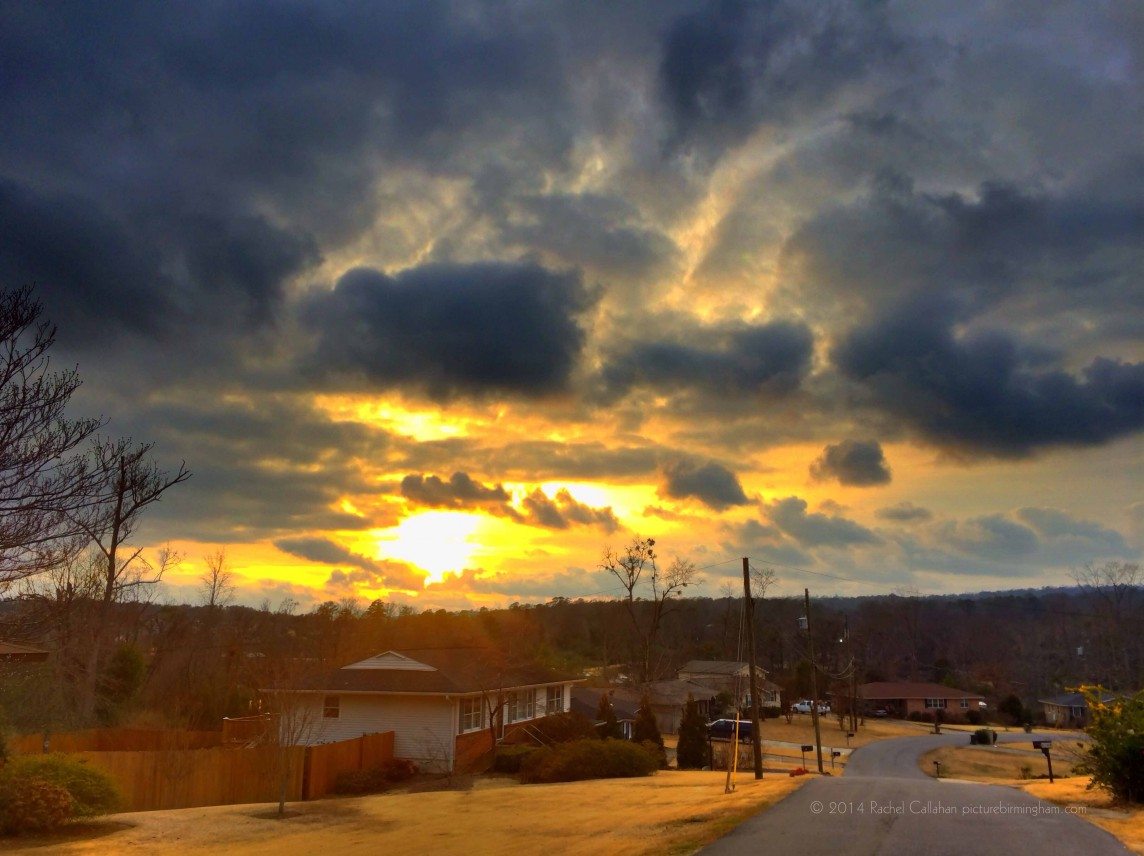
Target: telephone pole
(813, 684)
(756, 726)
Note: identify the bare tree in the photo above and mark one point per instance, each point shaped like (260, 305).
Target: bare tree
(131, 481)
(44, 484)
(1116, 595)
(634, 566)
(216, 584)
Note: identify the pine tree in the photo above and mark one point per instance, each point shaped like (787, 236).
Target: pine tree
(645, 726)
(607, 724)
(691, 753)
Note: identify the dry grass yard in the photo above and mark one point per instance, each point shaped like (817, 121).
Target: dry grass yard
(983, 764)
(1125, 824)
(670, 812)
(986, 764)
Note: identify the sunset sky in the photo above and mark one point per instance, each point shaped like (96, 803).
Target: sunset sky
(438, 300)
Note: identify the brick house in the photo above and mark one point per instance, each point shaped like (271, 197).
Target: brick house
(902, 698)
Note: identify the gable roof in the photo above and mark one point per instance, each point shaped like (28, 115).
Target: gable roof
(625, 701)
(911, 689)
(432, 671)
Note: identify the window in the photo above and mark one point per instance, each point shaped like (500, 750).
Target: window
(965, 704)
(521, 705)
(471, 718)
(554, 700)
(331, 707)
(935, 703)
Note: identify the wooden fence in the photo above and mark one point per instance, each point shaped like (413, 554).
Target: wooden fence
(188, 778)
(115, 740)
(326, 761)
(175, 777)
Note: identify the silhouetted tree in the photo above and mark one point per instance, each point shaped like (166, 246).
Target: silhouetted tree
(44, 485)
(691, 752)
(606, 723)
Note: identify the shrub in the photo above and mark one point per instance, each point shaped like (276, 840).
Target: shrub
(374, 779)
(558, 728)
(588, 759)
(919, 716)
(974, 717)
(1115, 758)
(92, 791)
(983, 737)
(772, 712)
(608, 725)
(40, 792)
(509, 758)
(33, 805)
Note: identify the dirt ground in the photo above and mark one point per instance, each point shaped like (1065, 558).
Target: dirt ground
(670, 812)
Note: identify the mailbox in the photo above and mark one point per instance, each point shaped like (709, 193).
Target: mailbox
(809, 747)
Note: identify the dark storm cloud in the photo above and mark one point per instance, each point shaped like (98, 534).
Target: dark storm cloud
(733, 65)
(601, 233)
(859, 463)
(904, 512)
(817, 529)
(1081, 540)
(770, 358)
(1077, 249)
(712, 484)
(460, 491)
(980, 392)
(369, 572)
(261, 469)
(563, 511)
(451, 329)
(160, 168)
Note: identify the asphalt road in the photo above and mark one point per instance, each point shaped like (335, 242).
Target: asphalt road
(886, 804)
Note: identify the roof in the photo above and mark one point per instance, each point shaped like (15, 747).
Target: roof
(675, 692)
(713, 667)
(1073, 699)
(14, 651)
(909, 689)
(433, 671)
(586, 701)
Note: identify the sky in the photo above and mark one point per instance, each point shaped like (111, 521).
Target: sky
(440, 300)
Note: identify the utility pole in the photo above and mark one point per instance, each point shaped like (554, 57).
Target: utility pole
(755, 684)
(813, 684)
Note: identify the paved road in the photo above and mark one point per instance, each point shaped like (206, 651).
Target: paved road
(886, 804)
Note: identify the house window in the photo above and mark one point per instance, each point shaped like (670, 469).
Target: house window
(965, 704)
(932, 703)
(470, 714)
(331, 707)
(554, 700)
(521, 705)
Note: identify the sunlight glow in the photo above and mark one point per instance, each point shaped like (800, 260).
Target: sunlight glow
(435, 541)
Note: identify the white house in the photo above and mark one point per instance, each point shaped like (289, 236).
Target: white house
(439, 702)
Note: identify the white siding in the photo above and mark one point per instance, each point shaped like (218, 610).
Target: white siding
(424, 726)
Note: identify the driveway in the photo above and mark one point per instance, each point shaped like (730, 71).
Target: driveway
(886, 804)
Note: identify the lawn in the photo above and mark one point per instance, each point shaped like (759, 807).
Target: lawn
(670, 812)
(987, 764)
(1127, 824)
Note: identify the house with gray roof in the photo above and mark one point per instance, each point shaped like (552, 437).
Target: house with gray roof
(446, 706)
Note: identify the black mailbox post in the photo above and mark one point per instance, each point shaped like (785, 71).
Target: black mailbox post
(1046, 748)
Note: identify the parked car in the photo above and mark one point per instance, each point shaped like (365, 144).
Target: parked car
(804, 706)
(724, 729)
(879, 713)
